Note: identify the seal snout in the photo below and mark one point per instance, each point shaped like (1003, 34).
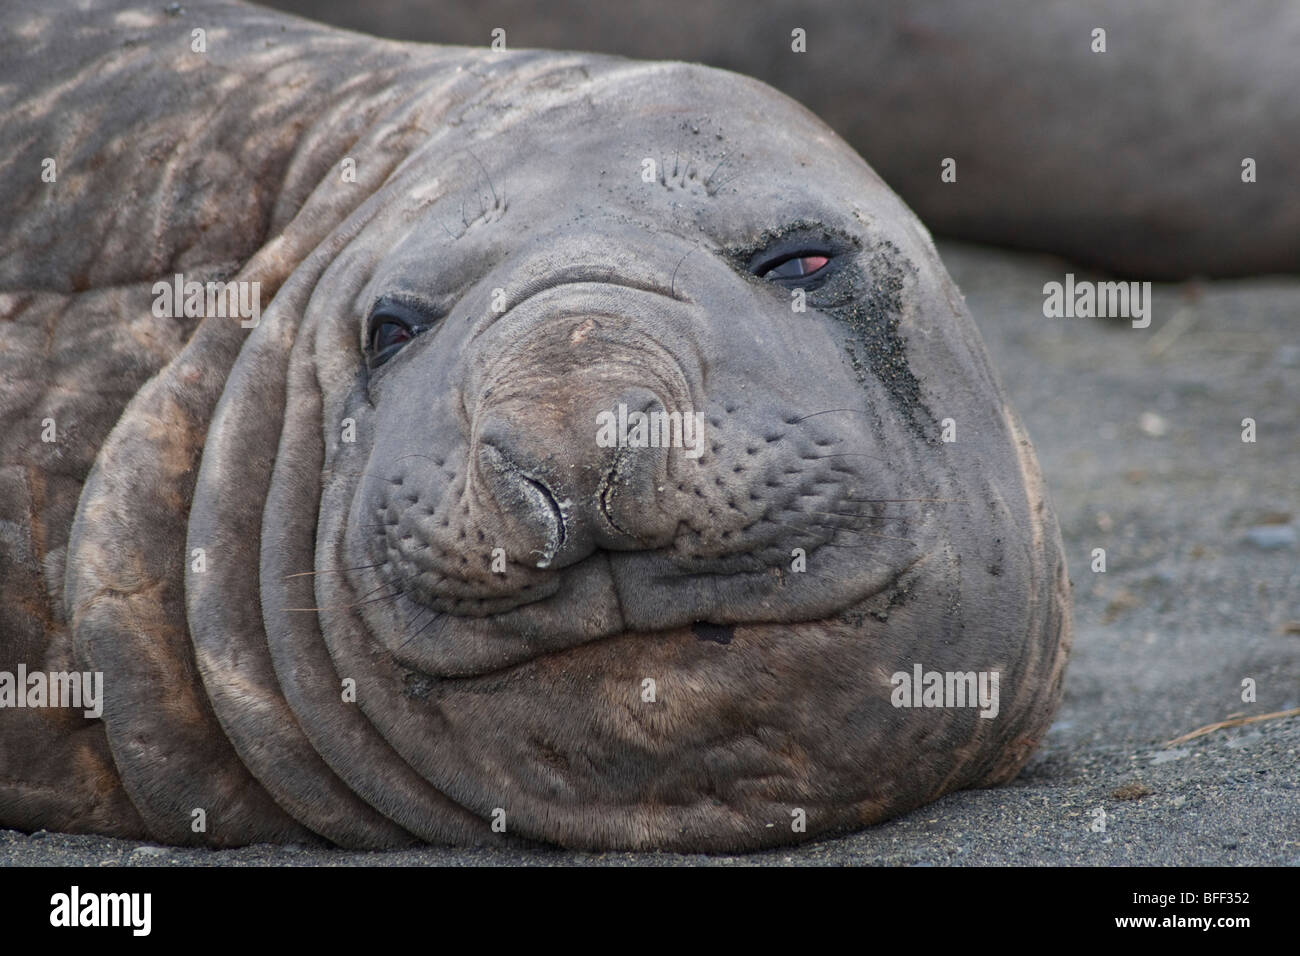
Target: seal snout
(557, 490)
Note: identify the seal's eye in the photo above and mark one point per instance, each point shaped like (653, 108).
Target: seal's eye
(798, 266)
(792, 267)
(389, 335)
(392, 325)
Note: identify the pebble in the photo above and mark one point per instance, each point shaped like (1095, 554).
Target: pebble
(1153, 424)
(1272, 537)
(150, 852)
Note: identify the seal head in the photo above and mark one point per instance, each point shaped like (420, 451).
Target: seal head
(622, 641)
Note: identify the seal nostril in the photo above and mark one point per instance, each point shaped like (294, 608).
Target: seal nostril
(529, 499)
(557, 515)
(605, 497)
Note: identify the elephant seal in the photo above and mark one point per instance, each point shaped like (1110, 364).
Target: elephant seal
(570, 462)
(1125, 154)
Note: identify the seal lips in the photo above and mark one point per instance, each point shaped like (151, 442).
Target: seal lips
(642, 592)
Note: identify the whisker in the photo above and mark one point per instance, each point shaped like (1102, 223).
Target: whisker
(724, 182)
(828, 411)
(846, 454)
(888, 500)
(709, 178)
(672, 284)
(434, 615)
(876, 534)
(496, 201)
(378, 587)
(849, 529)
(338, 607)
(348, 607)
(363, 474)
(837, 528)
(856, 514)
(850, 547)
(360, 567)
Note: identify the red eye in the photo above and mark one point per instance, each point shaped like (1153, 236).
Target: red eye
(798, 266)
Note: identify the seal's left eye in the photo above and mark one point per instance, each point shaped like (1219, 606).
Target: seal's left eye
(801, 265)
(392, 325)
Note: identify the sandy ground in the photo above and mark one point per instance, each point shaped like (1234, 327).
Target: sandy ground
(1139, 433)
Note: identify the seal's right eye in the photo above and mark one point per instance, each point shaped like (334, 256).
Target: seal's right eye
(392, 325)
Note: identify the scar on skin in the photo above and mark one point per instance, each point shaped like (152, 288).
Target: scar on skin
(582, 331)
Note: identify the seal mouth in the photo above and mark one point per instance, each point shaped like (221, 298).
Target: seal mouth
(500, 643)
(464, 605)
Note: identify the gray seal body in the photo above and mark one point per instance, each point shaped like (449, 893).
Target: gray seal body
(571, 462)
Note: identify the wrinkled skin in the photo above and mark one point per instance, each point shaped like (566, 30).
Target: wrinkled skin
(1129, 160)
(282, 556)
